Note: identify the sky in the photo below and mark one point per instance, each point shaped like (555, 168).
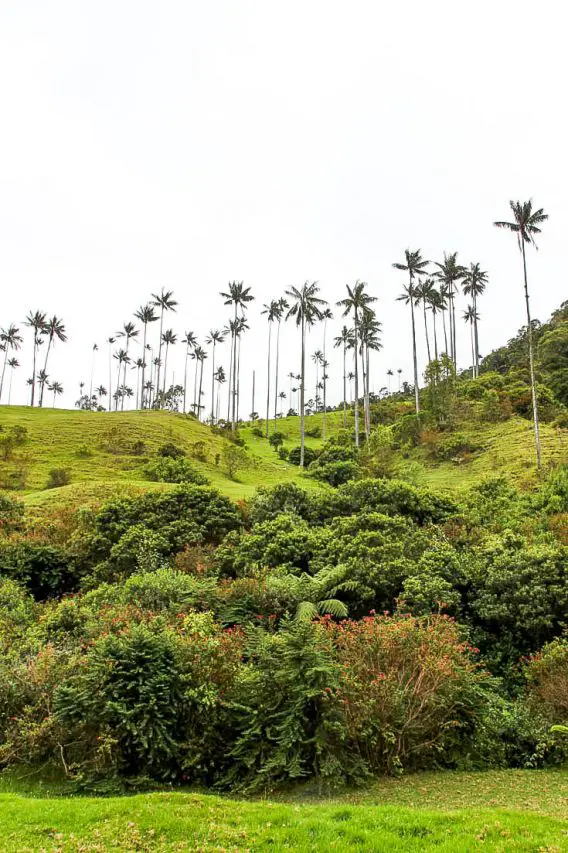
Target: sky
(184, 144)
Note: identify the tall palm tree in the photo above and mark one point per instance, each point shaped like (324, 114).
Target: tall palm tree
(220, 378)
(525, 225)
(201, 355)
(390, 374)
(165, 302)
(436, 304)
(57, 389)
(128, 331)
(282, 307)
(317, 359)
(241, 326)
(11, 340)
(474, 283)
(13, 363)
(239, 296)
(369, 335)
(101, 391)
(356, 301)
(95, 350)
(146, 315)
(470, 317)
(110, 341)
(450, 273)
(272, 310)
(327, 315)
(138, 366)
(399, 371)
(306, 307)
(122, 357)
(424, 292)
(37, 322)
(344, 340)
(415, 266)
(168, 339)
(54, 329)
(215, 337)
(281, 397)
(190, 342)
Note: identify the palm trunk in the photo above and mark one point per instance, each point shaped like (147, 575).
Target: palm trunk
(143, 364)
(34, 369)
(42, 384)
(414, 356)
(356, 401)
(195, 406)
(238, 376)
(276, 373)
(368, 396)
(234, 408)
(344, 385)
(213, 385)
(159, 351)
(3, 371)
(435, 336)
(109, 378)
(476, 359)
(454, 341)
(200, 387)
(531, 361)
(472, 349)
(445, 332)
(10, 385)
(229, 389)
(54, 400)
(268, 378)
(302, 384)
(185, 379)
(165, 368)
(426, 330)
(117, 386)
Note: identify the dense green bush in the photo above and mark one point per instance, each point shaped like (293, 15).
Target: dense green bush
(334, 473)
(166, 469)
(295, 454)
(11, 514)
(45, 570)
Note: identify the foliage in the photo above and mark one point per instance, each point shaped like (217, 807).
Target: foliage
(233, 459)
(167, 469)
(294, 455)
(45, 570)
(58, 477)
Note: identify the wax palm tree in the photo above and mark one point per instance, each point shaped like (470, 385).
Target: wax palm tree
(37, 322)
(281, 397)
(122, 357)
(390, 374)
(271, 310)
(241, 326)
(306, 307)
(101, 391)
(239, 296)
(13, 364)
(57, 389)
(94, 351)
(423, 293)
(474, 283)
(399, 371)
(200, 355)
(327, 315)
(282, 307)
(128, 331)
(525, 225)
(215, 337)
(345, 340)
(190, 342)
(110, 341)
(138, 366)
(146, 315)
(415, 266)
(436, 304)
(450, 273)
(168, 339)
(220, 379)
(317, 359)
(165, 302)
(11, 340)
(54, 329)
(470, 317)
(369, 336)
(354, 303)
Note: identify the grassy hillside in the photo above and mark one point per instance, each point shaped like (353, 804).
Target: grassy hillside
(105, 453)
(499, 811)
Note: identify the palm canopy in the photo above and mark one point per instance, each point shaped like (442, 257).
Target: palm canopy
(273, 310)
(55, 328)
(237, 294)
(307, 306)
(164, 300)
(346, 338)
(414, 264)
(146, 313)
(474, 281)
(11, 337)
(190, 340)
(357, 299)
(215, 336)
(449, 272)
(525, 221)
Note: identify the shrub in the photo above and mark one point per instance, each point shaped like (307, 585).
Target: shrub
(313, 431)
(276, 439)
(199, 451)
(547, 678)
(406, 431)
(170, 451)
(269, 502)
(58, 477)
(138, 448)
(45, 570)
(334, 473)
(10, 439)
(233, 458)
(167, 469)
(83, 451)
(295, 453)
(409, 690)
(11, 514)
(456, 447)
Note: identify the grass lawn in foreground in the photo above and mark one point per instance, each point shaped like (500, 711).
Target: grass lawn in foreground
(497, 811)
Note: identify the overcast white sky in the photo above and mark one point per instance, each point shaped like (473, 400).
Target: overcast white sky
(185, 143)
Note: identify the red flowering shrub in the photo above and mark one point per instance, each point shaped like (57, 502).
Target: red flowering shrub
(547, 674)
(409, 688)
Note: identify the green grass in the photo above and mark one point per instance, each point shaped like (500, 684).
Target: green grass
(457, 812)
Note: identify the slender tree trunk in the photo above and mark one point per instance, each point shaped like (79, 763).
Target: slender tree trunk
(200, 387)
(472, 349)
(109, 378)
(268, 378)
(3, 371)
(531, 361)
(234, 409)
(435, 336)
(356, 401)
(344, 385)
(117, 386)
(302, 384)
(34, 369)
(213, 385)
(165, 369)
(277, 367)
(368, 397)
(426, 330)
(54, 400)
(143, 364)
(476, 360)
(414, 356)
(42, 384)
(10, 385)
(445, 333)
(159, 351)
(238, 376)
(454, 340)
(229, 389)
(185, 379)
(195, 405)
